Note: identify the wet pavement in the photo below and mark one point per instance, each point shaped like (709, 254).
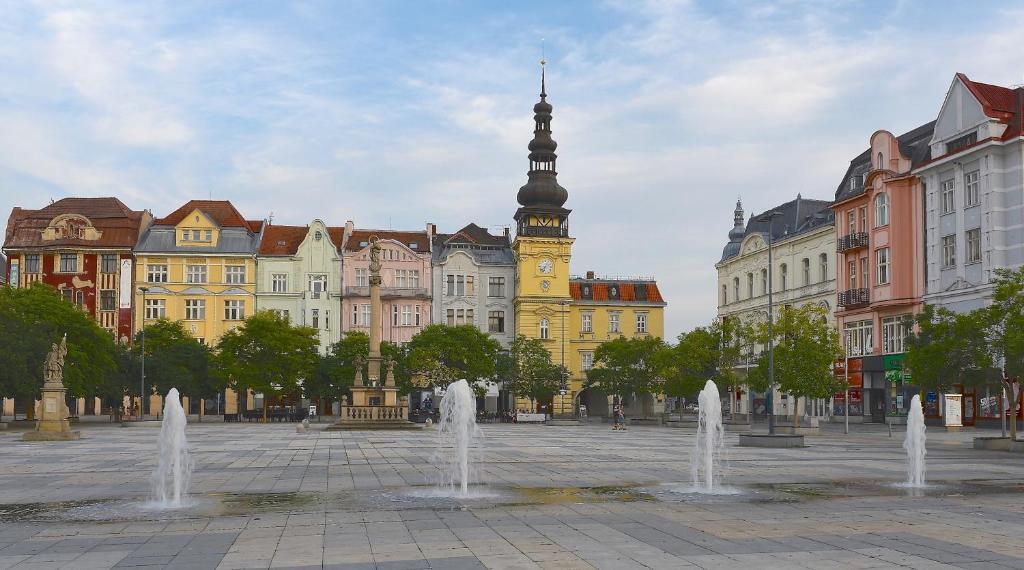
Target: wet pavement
(551, 497)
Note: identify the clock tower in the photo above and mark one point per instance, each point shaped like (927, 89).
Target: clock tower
(542, 246)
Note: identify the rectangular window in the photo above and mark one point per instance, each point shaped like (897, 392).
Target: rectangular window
(234, 310)
(586, 361)
(543, 329)
(613, 322)
(450, 290)
(641, 322)
(184, 235)
(316, 318)
(894, 333)
(68, 295)
(195, 274)
(588, 322)
(394, 315)
(327, 319)
(972, 189)
(108, 300)
(949, 251)
(234, 274)
(283, 313)
(362, 278)
(496, 321)
(195, 235)
(108, 263)
(279, 283)
(156, 308)
(470, 320)
(318, 283)
(417, 314)
(365, 315)
(400, 278)
(882, 268)
(69, 263)
(414, 278)
(209, 235)
(195, 309)
(495, 286)
(451, 317)
(460, 285)
(156, 273)
(859, 338)
(470, 287)
(32, 264)
(806, 271)
(973, 242)
(355, 315)
(852, 270)
(460, 317)
(946, 193)
(750, 285)
(864, 272)
(406, 315)
(864, 219)
(851, 222)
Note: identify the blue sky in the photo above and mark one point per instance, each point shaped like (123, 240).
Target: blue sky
(394, 114)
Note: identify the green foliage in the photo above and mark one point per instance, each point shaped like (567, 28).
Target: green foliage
(175, 359)
(705, 353)
(32, 319)
(527, 371)
(335, 372)
(267, 354)
(806, 347)
(631, 366)
(440, 354)
(1005, 320)
(949, 348)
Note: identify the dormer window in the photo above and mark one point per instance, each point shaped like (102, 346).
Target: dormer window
(364, 243)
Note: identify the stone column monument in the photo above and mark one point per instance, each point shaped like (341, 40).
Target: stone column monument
(53, 424)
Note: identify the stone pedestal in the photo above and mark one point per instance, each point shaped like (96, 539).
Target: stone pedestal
(53, 424)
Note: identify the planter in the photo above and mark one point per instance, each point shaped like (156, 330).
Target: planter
(774, 441)
(993, 443)
(799, 430)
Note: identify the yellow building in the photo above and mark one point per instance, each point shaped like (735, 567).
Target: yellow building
(571, 316)
(603, 310)
(198, 265)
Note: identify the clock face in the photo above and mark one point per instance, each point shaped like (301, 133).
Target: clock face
(544, 284)
(545, 266)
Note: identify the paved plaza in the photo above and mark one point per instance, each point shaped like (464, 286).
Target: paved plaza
(556, 497)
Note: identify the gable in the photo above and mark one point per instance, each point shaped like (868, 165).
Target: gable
(197, 219)
(960, 111)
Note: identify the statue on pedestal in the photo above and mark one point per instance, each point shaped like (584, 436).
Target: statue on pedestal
(358, 362)
(53, 417)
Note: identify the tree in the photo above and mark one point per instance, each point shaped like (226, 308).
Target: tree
(175, 359)
(1004, 321)
(637, 366)
(335, 372)
(267, 354)
(949, 348)
(32, 319)
(705, 353)
(441, 354)
(806, 347)
(527, 371)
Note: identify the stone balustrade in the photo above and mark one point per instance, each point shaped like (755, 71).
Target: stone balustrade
(374, 413)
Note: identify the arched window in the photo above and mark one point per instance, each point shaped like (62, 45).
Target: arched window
(881, 210)
(783, 273)
(764, 281)
(880, 165)
(823, 267)
(544, 329)
(736, 288)
(725, 293)
(806, 270)
(750, 285)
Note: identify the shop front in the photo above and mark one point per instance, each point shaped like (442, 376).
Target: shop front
(855, 379)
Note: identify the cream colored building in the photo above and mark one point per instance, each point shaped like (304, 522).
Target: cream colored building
(803, 256)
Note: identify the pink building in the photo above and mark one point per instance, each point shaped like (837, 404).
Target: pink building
(406, 288)
(880, 267)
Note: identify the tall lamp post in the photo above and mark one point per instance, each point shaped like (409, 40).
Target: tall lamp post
(142, 377)
(770, 216)
(564, 372)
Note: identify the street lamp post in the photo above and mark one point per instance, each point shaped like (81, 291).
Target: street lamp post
(846, 400)
(564, 372)
(142, 376)
(770, 398)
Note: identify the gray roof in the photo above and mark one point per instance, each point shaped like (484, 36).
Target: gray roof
(478, 243)
(798, 217)
(913, 144)
(160, 239)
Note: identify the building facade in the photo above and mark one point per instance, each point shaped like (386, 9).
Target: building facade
(198, 265)
(473, 280)
(880, 268)
(83, 248)
(604, 309)
(803, 258)
(406, 288)
(298, 275)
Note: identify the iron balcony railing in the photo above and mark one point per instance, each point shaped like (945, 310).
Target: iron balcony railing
(852, 241)
(854, 298)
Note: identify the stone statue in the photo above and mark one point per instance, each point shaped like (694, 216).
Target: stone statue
(358, 362)
(374, 256)
(53, 371)
(389, 372)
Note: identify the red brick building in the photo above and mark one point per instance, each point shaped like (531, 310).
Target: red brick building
(83, 248)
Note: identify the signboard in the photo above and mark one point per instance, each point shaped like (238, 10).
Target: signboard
(125, 301)
(15, 280)
(524, 417)
(312, 410)
(954, 410)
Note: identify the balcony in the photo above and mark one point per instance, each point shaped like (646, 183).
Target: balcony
(853, 298)
(852, 241)
(389, 292)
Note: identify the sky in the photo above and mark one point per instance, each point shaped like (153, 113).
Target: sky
(396, 114)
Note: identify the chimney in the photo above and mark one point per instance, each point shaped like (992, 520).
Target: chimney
(349, 226)
(507, 237)
(590, 275)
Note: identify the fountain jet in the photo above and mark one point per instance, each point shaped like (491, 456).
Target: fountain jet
(915, 443)
(170, 480)
(710, 439)
(457, 436)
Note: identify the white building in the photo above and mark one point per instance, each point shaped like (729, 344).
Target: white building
(803, 254)
(298, 275)
(974, 193)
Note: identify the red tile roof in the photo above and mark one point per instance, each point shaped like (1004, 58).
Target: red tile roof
(221, 211)
(285, 240)
(627, 291)
(406, 238)
(119, 226)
